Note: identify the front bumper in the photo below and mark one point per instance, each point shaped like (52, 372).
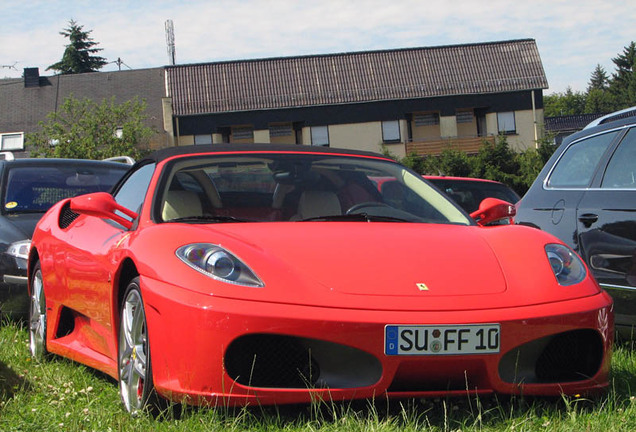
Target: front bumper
(210, 350)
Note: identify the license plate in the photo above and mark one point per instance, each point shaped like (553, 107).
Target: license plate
(441, 339)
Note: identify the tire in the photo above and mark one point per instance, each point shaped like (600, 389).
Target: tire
(37, 315)
(135, 373)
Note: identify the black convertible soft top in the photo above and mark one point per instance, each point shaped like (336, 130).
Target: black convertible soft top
(168, 152)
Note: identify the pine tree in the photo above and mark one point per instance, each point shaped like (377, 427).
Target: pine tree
(79, 53)
(599, 79)
(598, 98)
(623, 83)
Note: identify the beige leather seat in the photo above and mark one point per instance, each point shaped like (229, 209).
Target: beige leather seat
(314, 203)
(179, 204)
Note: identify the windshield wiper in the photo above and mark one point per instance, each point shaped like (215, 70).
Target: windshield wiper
(207, 219)
(355, 217)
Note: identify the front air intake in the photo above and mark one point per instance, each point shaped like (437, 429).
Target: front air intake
(280, 361)
(566, 357)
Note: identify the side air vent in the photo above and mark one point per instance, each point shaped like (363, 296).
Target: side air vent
(67, 216)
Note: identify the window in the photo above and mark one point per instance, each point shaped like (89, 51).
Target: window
(280, 130)
(391, 131)
(428, 119)
(577, 165)
(202, 139)
(506, 123)
(132, 192)
(320, 136)
(242, 133)
(466, 116)
(12, 141)
(621, 170)
(37, 186)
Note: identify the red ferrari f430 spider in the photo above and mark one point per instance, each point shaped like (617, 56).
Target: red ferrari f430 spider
(267, 274)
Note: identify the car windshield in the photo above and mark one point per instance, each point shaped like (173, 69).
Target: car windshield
(298, 187)
(35, 188)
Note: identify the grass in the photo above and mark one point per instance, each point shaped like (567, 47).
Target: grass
(61, 395)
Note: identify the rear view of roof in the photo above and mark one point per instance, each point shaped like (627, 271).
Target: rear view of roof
(569, 122)
(356, 77)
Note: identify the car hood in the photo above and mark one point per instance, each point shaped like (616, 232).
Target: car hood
(381, 265)
(390, 260)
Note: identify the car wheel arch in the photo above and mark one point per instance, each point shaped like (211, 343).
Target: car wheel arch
(34, 258)
(127, 272)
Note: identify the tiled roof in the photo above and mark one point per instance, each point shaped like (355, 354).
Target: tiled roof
(494, 67)
(568, 123)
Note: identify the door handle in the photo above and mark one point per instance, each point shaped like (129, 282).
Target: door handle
(588, 219)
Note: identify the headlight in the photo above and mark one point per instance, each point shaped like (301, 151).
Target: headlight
(20, 249)
(218, 263)
(566, 265)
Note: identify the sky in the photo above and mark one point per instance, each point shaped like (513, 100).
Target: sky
(573, 36)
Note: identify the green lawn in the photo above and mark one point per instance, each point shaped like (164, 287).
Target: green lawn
(61, 395)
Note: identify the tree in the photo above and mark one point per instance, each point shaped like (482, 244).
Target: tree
(78, 56)
(566, 103)
(416, 162)
(497, 161)
(623, 83)
(87, 130)
(599, 101)
(599, 79)
(450, 162)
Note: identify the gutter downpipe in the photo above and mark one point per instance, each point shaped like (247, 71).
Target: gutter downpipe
(534, 118)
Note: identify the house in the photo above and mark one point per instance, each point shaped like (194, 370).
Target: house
(416, 99)
(408, 100)
(24, 102)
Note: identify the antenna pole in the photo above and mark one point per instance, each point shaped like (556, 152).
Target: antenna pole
(170, 42)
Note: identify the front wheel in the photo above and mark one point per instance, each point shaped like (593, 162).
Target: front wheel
(37, 315)
(135, 375)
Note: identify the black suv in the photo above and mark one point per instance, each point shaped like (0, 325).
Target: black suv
(586, 196)
(28, 188)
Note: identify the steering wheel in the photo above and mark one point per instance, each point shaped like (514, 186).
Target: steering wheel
(366, 204)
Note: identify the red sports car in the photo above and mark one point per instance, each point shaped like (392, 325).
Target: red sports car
(257, 274)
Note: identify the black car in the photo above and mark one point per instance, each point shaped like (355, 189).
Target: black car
(586, 196)
(470, 192)
(28, 188)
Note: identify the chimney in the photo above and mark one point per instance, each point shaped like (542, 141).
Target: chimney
(31, 77)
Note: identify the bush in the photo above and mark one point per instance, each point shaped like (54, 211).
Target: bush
(495, 161)
(85, 129)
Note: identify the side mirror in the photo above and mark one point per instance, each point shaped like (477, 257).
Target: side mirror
(103, 205)
(493, 209)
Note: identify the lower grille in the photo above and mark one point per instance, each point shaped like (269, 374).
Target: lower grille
(270, 361)
(566, 357)
(279, 361)
(571, 356)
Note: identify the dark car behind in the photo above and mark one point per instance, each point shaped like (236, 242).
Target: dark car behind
(28, 188)
(586, 196)
(470, 192)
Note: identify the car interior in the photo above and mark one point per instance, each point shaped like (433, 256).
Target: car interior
(296, 190)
